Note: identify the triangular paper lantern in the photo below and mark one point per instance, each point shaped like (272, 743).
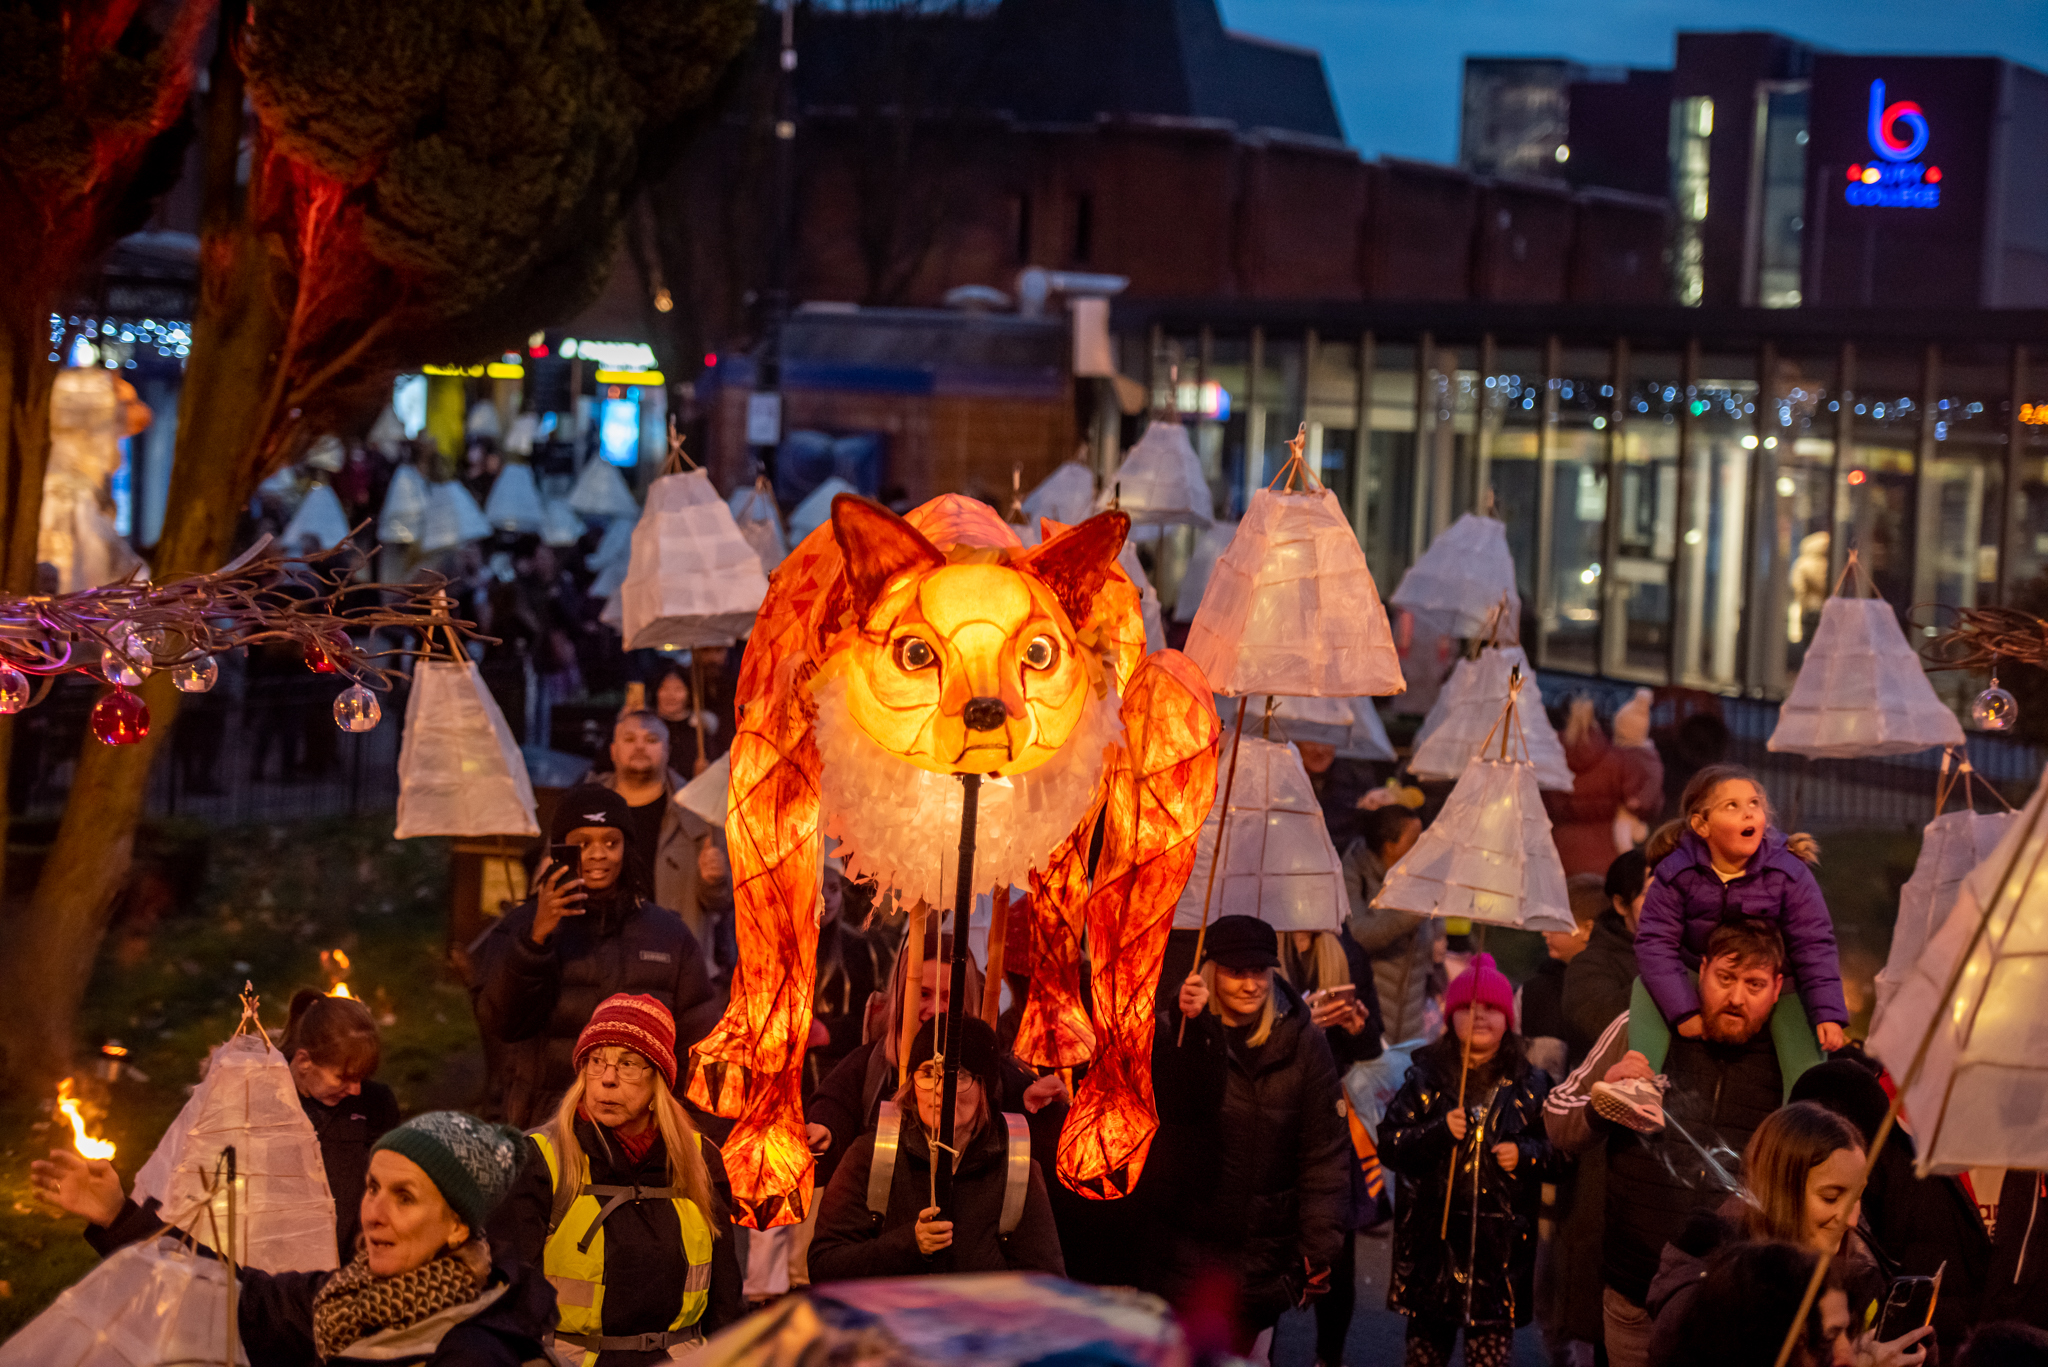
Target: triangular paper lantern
(459, 770)
(1210, 544)
(1952, 847)
(1278, 862)
(1291, 606)
(148, 1303)
(1462, 577)
(1066, 495)
(1148, 597)
(283, 1211)
(1861, 690)
(610, 579)
(1467, 710)
(514, 501)
(452, 518)
(760, 522)
(1352, 725)
(693, 579)
(600, 491)
(705, 795)
(319, 518)
(1160, 482)
(1488, 856)
(559, 524)
(816, 509)
(615, 546)
(483, 422)
(403, 518)
(520, 436)
(1978, 1095)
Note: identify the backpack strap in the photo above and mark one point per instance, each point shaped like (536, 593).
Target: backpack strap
(882, 1171)
(1016, 1174)
(613, 1198)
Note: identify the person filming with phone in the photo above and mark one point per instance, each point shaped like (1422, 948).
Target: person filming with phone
(587, 932)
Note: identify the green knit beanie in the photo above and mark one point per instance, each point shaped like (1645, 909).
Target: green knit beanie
(472, 1161)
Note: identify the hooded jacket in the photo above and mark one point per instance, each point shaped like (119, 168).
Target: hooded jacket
(1434, 1275)
(1688, 899)
(1401, 945)
(1597, 983)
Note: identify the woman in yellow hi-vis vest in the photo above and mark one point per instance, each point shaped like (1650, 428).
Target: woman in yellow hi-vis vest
(623, 1204)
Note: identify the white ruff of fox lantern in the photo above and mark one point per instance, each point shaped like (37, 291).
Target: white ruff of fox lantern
(459, 770)
(1964, 1032)
(1467, 711)
(693, 580)
(1861, 689)
(1160, 483)
(1462, 578)
(1489, 855)
(1278, 863)
(952, 713)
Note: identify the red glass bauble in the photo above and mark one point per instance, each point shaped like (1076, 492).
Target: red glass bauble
(319, 661)
(120, 718)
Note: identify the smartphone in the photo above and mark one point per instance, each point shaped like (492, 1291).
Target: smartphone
(1342, 992)
(1909, 1305)
(565, 856)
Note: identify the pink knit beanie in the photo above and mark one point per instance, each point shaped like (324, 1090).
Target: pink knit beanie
(1483, 982)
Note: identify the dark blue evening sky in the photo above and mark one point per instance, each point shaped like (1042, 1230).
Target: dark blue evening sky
(1395, 64)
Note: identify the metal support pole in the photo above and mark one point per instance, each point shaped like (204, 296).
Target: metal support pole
(956, 1007)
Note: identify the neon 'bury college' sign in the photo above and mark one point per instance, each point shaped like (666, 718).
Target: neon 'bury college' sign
(1896, 178)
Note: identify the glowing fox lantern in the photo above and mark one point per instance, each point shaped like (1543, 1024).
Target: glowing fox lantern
(891, 655)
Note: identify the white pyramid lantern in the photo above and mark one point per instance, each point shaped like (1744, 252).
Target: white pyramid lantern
(1861, 689)
(1351, 725)
(615, 546)
(1489, 855)
(1278, 862)
(760, 522)
(1160, 482)
(1209, 546)
(514, 501)
(1291, 606)
(519, 438)
(559, 524)
(1468, 709)
(1066, 495)
(483, 422)
(153, 1302)
(705, 795)
(284, 1213)
(1463, 576)
(459, 770)
(1952, 847)
(402, 519)
(816, 509)
(1964, 1032)
(1148, 597)
(600, 491)
(318, 518)
(693, 580)
(452, 518)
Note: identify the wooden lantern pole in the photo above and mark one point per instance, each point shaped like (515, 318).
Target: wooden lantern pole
(992, 977)
(913, 989)
(1216, 855)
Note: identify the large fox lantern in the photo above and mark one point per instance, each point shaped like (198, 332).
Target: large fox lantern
(891, 655)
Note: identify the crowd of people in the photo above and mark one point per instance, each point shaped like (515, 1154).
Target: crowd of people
(1644, 1148)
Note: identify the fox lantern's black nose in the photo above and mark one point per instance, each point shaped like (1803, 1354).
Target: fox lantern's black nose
(983, 714)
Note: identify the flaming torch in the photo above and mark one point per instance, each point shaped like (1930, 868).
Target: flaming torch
(334, 963)
(67, 1106)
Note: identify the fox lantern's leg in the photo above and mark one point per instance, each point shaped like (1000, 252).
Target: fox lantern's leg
(1161, 786)
(751, 1064)
(1054, 1031)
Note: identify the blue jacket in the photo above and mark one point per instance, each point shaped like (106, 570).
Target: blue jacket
(1688, 899)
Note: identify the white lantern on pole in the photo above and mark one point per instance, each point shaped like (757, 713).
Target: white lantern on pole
(760, 522)
(1352, 726)
(559, 524)
(1278, 863)
(402, 520)
(692, 580)
(1210, 544)
(1160, 483)
(459, 771)
(1067, 495)
(452, 518)
(1468, 709)
(1461, 580)
(1952, 847)
(816, 509)
(514, 501)
(600, 491)
(318, 519)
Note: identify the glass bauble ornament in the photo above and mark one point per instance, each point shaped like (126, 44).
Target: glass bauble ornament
(320, 660)
(357, 709)
(1995, 709)
(120, 718)
(150, 640)
(13, 690)
(196, 676)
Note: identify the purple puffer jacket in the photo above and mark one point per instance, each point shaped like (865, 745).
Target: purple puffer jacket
(1688, 899)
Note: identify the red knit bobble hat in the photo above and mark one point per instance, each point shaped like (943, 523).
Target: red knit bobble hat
(636, 1022)
(1483, 982)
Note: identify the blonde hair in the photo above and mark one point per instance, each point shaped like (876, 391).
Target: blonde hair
(687, 1172)
(1324, 963)
(1699, 795)
(1264, 1029)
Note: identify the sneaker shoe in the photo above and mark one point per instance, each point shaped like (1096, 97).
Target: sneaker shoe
(1637, 1102)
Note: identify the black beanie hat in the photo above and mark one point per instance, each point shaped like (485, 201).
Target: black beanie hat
(980, 1054)
(1242, 944)
(588, 804)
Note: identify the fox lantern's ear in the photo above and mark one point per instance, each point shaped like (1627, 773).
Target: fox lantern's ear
(1075, 564)
(878, 546)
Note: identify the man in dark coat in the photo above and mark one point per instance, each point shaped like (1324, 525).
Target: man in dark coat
(2017, 1288)
(546, 965)
(1598, 980)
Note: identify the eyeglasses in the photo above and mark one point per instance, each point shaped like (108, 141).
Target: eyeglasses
(631, 1067)
(932, 1075)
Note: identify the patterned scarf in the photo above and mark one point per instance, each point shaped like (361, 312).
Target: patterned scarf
(355, 1304)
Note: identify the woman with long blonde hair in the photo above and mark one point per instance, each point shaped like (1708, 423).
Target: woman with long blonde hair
(622, 1203)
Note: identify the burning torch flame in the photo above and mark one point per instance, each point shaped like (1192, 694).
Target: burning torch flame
(334, 963)
(67, 1105)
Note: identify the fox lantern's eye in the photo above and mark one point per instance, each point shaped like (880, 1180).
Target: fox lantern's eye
(913, 654)
(1040, 653)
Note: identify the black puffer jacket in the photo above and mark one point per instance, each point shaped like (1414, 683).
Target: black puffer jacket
(1488, 1281)
(1250, 1170)
(533, 1000)
(346, 1131)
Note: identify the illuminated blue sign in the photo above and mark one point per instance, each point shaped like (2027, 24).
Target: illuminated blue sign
(1897, 179)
